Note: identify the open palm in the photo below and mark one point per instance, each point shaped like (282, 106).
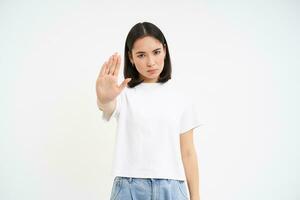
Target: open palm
(107, 87)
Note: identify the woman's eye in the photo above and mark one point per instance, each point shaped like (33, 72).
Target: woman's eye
(142, 55)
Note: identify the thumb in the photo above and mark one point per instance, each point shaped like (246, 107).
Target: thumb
(124, 83)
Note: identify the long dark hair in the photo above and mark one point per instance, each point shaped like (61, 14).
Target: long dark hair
(141, 30)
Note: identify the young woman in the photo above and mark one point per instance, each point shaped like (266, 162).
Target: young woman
(154, 153)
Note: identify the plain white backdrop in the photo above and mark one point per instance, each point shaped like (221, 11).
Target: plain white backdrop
(238, 59)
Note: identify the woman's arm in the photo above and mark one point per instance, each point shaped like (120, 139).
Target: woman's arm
(107, 108)
(189, 158)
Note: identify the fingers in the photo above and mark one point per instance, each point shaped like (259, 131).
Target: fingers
(114, 63)
(109, 63)
(103, 68)
(112, 66)
(117, 68)
(124, 83)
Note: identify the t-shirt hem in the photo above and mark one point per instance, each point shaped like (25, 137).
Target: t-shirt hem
(140, 175)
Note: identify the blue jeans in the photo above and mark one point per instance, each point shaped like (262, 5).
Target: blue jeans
(128, 188)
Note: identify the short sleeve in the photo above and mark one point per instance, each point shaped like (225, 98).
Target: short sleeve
(116, 111)
(190, 117)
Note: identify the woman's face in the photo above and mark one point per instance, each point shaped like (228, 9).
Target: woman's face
(148, 54)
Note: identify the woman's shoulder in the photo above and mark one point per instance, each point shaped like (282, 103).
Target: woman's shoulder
(183, 92)
(176, 87)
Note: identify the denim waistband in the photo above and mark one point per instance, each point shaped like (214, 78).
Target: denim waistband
(145, 179)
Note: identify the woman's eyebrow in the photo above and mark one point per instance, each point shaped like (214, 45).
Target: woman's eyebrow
(145, 52)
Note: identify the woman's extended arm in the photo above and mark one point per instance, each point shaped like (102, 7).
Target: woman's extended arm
(107, 88)
(107, 108)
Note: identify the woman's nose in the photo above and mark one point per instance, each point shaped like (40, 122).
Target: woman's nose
(150, 61)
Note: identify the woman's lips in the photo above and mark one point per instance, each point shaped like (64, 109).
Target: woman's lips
(152, 71)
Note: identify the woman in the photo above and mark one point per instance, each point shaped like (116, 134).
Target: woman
(154, 151)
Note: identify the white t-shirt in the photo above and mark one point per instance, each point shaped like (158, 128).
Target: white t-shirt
(150, 118)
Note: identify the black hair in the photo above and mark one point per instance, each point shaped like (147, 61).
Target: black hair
(140, 30)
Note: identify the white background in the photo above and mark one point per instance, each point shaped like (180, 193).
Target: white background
(237, 58)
